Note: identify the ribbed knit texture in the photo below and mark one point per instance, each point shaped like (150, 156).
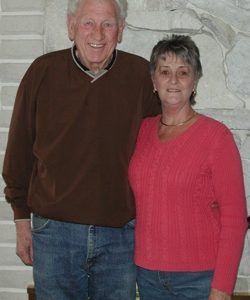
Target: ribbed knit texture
(175, 185)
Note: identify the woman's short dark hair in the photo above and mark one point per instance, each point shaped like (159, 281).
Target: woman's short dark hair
(182, 46)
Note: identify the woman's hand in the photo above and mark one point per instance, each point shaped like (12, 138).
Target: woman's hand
(218, 295)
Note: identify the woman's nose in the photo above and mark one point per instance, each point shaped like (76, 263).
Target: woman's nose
(173, 78)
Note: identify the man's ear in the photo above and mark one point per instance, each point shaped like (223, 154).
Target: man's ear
(120, 31)
(71, 27)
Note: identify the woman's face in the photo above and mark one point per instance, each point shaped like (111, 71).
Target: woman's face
(174, 80)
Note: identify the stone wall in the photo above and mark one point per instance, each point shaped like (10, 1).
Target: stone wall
(221, 29)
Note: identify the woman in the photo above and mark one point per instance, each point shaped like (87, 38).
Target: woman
(187, 179)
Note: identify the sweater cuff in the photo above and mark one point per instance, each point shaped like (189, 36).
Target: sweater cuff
(21, 212)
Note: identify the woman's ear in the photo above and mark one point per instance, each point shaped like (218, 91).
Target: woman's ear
(154, 85)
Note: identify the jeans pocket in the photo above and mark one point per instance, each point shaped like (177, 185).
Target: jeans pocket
(131, 224)
(39, 223)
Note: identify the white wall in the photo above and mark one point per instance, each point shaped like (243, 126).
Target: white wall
(21, 40)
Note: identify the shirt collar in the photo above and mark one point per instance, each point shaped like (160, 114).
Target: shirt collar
(82, 67)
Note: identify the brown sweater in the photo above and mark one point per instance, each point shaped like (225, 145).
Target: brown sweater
(70, 140)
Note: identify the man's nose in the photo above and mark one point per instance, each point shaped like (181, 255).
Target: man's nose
(98, 33)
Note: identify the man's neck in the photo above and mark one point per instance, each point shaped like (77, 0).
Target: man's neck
(95, 68)
(95, 73)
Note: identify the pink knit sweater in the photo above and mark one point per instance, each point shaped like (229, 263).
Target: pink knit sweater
(190, 200)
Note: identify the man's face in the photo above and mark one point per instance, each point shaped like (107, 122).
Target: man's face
(96, 29)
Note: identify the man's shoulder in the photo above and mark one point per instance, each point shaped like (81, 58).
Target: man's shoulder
(55, 56)
(50, 61)
(131, 57)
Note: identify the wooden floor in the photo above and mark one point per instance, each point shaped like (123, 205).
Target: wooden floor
(241, 297)
(32, 296)
(31, 292)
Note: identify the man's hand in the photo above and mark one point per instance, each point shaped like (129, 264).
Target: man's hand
(218, 295)
(24, 241)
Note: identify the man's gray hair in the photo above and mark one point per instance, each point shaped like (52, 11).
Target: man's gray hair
(122, 5)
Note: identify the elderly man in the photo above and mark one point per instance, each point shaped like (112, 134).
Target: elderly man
(74, 126)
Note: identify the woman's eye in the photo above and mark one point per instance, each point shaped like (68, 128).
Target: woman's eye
(183, 73)
(164, 72)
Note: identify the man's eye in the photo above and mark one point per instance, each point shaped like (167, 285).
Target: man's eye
(87, 23)
(108, 25)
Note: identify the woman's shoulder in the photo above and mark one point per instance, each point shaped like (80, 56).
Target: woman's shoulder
(213, 123)
(151, 121)
(148, 125)
(215, 130)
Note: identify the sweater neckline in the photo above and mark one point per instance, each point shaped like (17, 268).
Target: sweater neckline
(179, 137)
(84, 69)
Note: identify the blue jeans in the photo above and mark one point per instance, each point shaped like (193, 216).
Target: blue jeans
(80, 262)
(156, 285)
